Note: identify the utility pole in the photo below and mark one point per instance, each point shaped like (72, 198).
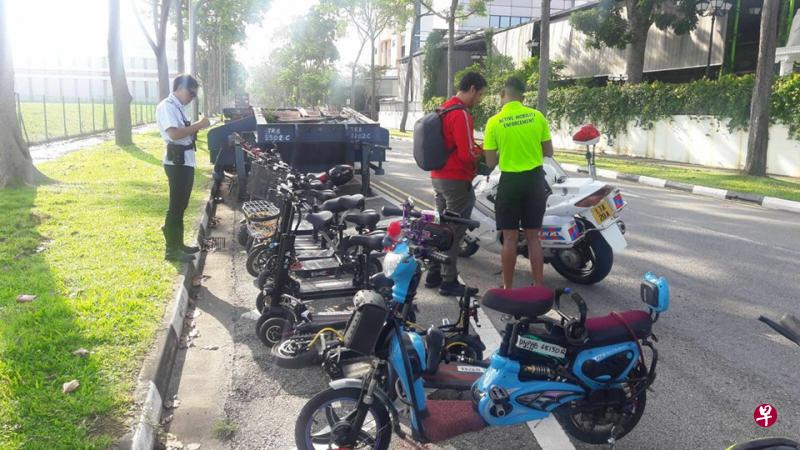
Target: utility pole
(544, 57)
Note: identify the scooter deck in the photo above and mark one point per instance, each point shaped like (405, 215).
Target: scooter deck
(320, 320)
(453, 376)
(319, 288)
(319, 267)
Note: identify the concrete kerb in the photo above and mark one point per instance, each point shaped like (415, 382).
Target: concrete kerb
(156, 371)
(722, 194)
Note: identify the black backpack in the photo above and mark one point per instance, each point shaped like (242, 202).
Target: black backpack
(429, 149)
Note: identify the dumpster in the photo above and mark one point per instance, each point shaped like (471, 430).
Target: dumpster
(307, 142)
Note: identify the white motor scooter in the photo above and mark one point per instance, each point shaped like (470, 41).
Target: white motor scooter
(581, 230)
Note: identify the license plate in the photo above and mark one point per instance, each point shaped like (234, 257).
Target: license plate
(602, 211)
(535, 345)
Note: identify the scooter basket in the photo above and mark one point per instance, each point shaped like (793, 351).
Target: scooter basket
(366, 323)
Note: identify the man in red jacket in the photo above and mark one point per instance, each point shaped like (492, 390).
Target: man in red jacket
(453, 182)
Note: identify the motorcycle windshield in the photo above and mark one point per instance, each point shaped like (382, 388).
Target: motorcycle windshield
(553, 171)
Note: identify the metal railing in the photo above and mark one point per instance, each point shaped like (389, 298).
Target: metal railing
(52, 119)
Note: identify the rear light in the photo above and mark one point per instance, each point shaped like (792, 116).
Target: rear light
(595, 197)
(323, 178)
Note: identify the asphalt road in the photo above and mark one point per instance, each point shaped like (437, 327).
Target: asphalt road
(727, 263)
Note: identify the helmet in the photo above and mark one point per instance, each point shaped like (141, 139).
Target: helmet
(340, 174)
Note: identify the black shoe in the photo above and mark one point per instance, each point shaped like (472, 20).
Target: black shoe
(189, 250)
(455, 289)
(175, 255)
(433, 279)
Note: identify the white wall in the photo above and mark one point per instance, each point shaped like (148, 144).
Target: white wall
(391, 113)
(695, 140)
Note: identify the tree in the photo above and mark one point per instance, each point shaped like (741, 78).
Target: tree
(222, 27)
(607, 27)
(160, 16)
(758, 136)
(306, 60)
(544, 57)
(409, 71)
(119, 82)
(16, 165)
(454, 12)
(180, 5)
(371, 17)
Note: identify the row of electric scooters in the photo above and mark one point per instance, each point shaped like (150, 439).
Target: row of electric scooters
(592, 374)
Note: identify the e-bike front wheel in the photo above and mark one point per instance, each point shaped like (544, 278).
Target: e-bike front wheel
(326, 422)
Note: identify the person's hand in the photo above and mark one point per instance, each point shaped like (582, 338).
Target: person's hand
(204, 122)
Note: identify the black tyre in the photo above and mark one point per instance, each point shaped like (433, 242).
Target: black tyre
(460, 347)
(273, 330)
(242, 236)
(593, 266)
(594, 426)
(257, 259)
(293, 352)
(323, 422)
(265, 276)
(261, 302)
(468, 247)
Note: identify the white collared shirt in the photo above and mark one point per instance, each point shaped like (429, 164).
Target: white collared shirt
(170, 113)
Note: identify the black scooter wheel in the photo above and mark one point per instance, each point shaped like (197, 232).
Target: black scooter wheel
(468, 247)
(460, 347)
(293, 352)
(261, 302)
(274, 330)
(243, 235)
(257, 259)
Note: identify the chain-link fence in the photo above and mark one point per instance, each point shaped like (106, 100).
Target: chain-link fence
(52, 119)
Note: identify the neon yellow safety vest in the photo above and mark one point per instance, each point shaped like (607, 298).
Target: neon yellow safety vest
(517, 133)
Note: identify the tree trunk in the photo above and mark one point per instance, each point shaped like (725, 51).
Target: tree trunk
(758, 136)
(409, 74)
(639, 18)
(163, 73)
(16, 166)
(544, 58)
(119, 81)
(353, 75)
(451, 46)
(179, 4)
(374, 90)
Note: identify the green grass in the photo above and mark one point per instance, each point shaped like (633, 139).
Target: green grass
(723, 179)
(79, 118)
(89, 245)
(394, 132)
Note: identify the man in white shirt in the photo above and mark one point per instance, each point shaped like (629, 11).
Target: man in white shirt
(179, 161)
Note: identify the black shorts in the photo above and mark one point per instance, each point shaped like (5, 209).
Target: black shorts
(521, 200)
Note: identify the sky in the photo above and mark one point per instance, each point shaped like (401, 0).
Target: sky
(44, 32)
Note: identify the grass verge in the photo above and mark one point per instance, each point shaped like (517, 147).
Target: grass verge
(89, 246)
(81, 118)
(395, 133)
(722, 179)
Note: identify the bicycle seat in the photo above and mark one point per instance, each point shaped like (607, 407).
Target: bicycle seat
(606, 330)
(532, 301)
(370, 242)
(320, 219)
(365, 219)
(343, 203)
(324, 195)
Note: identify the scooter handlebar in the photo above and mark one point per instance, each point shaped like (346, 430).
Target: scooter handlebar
(439, 257)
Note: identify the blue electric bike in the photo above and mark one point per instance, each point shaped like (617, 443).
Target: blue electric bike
(592, 374)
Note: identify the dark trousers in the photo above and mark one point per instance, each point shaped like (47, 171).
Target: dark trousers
(456, 196)
(181, 180)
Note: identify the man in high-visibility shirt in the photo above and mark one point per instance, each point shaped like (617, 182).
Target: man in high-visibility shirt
(518, 138)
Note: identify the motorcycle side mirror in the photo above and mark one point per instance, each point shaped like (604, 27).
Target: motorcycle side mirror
(788, 326)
